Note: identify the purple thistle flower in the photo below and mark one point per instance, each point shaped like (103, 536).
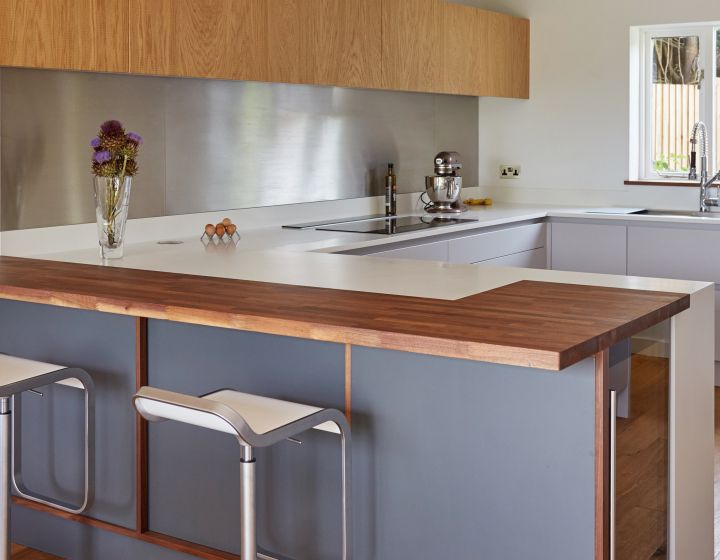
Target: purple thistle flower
(103, 156)
(95, 143)
(135, 138)
(112, 128)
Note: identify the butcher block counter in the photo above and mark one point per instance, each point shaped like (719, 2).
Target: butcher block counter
(529, 323)
(479, 400)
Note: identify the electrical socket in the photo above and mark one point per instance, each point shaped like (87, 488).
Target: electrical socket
(510, 171)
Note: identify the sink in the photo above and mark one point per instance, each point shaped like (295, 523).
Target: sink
(681, 213)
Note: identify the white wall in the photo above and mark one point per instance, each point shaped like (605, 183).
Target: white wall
(571, 137)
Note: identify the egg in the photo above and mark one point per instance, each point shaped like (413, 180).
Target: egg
(226, 222)
(210, 230)
(231, 229)
(220, 230)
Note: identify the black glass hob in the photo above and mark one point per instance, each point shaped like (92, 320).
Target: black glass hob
(389, 226)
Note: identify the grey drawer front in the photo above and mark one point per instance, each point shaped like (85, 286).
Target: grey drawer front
(436, 251)
(537, 258)
(494, 244)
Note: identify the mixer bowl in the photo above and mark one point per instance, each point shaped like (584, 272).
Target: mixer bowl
(443, 191)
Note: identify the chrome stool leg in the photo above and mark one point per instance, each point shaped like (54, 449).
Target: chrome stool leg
(5, 419)
(346, 492)
(88, 458)
(248, 544)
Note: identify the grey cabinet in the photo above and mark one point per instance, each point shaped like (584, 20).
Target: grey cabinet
(517, 245)
(584, 247)
(671, 252)
(681, 253)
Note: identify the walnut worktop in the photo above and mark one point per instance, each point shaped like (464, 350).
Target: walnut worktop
(529, 323)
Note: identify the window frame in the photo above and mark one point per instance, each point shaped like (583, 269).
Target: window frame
(641, 92)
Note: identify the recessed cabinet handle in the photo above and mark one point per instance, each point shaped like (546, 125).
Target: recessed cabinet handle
(613, 469)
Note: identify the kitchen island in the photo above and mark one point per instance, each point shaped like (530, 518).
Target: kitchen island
(479, 402)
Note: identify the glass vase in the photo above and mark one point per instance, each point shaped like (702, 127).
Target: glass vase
(112, 195)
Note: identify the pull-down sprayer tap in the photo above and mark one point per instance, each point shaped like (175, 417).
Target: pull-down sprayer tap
(699, 136)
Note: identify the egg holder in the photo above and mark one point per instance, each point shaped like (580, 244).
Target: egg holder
(225, 239)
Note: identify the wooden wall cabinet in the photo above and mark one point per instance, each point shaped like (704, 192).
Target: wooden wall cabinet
(406, 45)
(412, 45)
(65, 34)
(484, 53)
(508, 56)
(325, 42)
(199, 38)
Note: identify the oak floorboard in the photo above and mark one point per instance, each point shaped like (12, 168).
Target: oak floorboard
(642, 451)
(24, 553)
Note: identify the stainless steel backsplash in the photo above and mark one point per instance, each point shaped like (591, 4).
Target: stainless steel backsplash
(216, 145)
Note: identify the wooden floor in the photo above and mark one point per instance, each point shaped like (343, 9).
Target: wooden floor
(642, 452)
(23, 553)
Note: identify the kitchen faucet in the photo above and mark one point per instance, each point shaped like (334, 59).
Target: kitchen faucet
(699, 135)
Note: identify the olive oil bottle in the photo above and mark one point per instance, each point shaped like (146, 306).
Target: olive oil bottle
(390, 191)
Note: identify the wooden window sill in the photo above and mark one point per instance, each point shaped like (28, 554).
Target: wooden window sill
(663, 183)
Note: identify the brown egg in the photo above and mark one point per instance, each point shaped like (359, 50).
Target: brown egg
(210, 230)
(226, 222)
(220, 230)
(231, 229)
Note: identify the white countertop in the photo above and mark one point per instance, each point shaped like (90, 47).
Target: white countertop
(303, 257)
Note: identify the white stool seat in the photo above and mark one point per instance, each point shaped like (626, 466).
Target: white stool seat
(22, 374)
(256, 422)
(262, 414)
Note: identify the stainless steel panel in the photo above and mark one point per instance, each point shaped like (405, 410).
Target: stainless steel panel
(215, 145)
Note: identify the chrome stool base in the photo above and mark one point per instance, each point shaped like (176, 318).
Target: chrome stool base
(256, 422)
(18, 375)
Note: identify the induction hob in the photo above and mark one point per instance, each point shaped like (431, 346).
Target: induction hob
(389, 226)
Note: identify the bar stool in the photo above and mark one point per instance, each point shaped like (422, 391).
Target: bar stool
(256, 422)
(16, 376)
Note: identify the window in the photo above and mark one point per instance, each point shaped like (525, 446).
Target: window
(675, 82)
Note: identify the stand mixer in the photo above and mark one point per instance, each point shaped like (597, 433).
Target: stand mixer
(443, 188)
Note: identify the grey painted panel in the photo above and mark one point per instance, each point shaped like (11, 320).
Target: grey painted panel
(74, 541)
(459, 459)
(214, 144)
(589, 248)
(194, 487)
(104, 345)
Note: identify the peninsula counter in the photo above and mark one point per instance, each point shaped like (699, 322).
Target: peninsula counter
(479, 403)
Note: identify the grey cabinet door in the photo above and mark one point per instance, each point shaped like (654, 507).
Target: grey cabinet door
(586, 247)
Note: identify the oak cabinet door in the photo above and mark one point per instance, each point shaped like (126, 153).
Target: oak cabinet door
(508, 56)
(325, 42)
(199, 38)
(484, 53)
(412, 45)
(90, 35)
(465, 59)
(344, 43)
